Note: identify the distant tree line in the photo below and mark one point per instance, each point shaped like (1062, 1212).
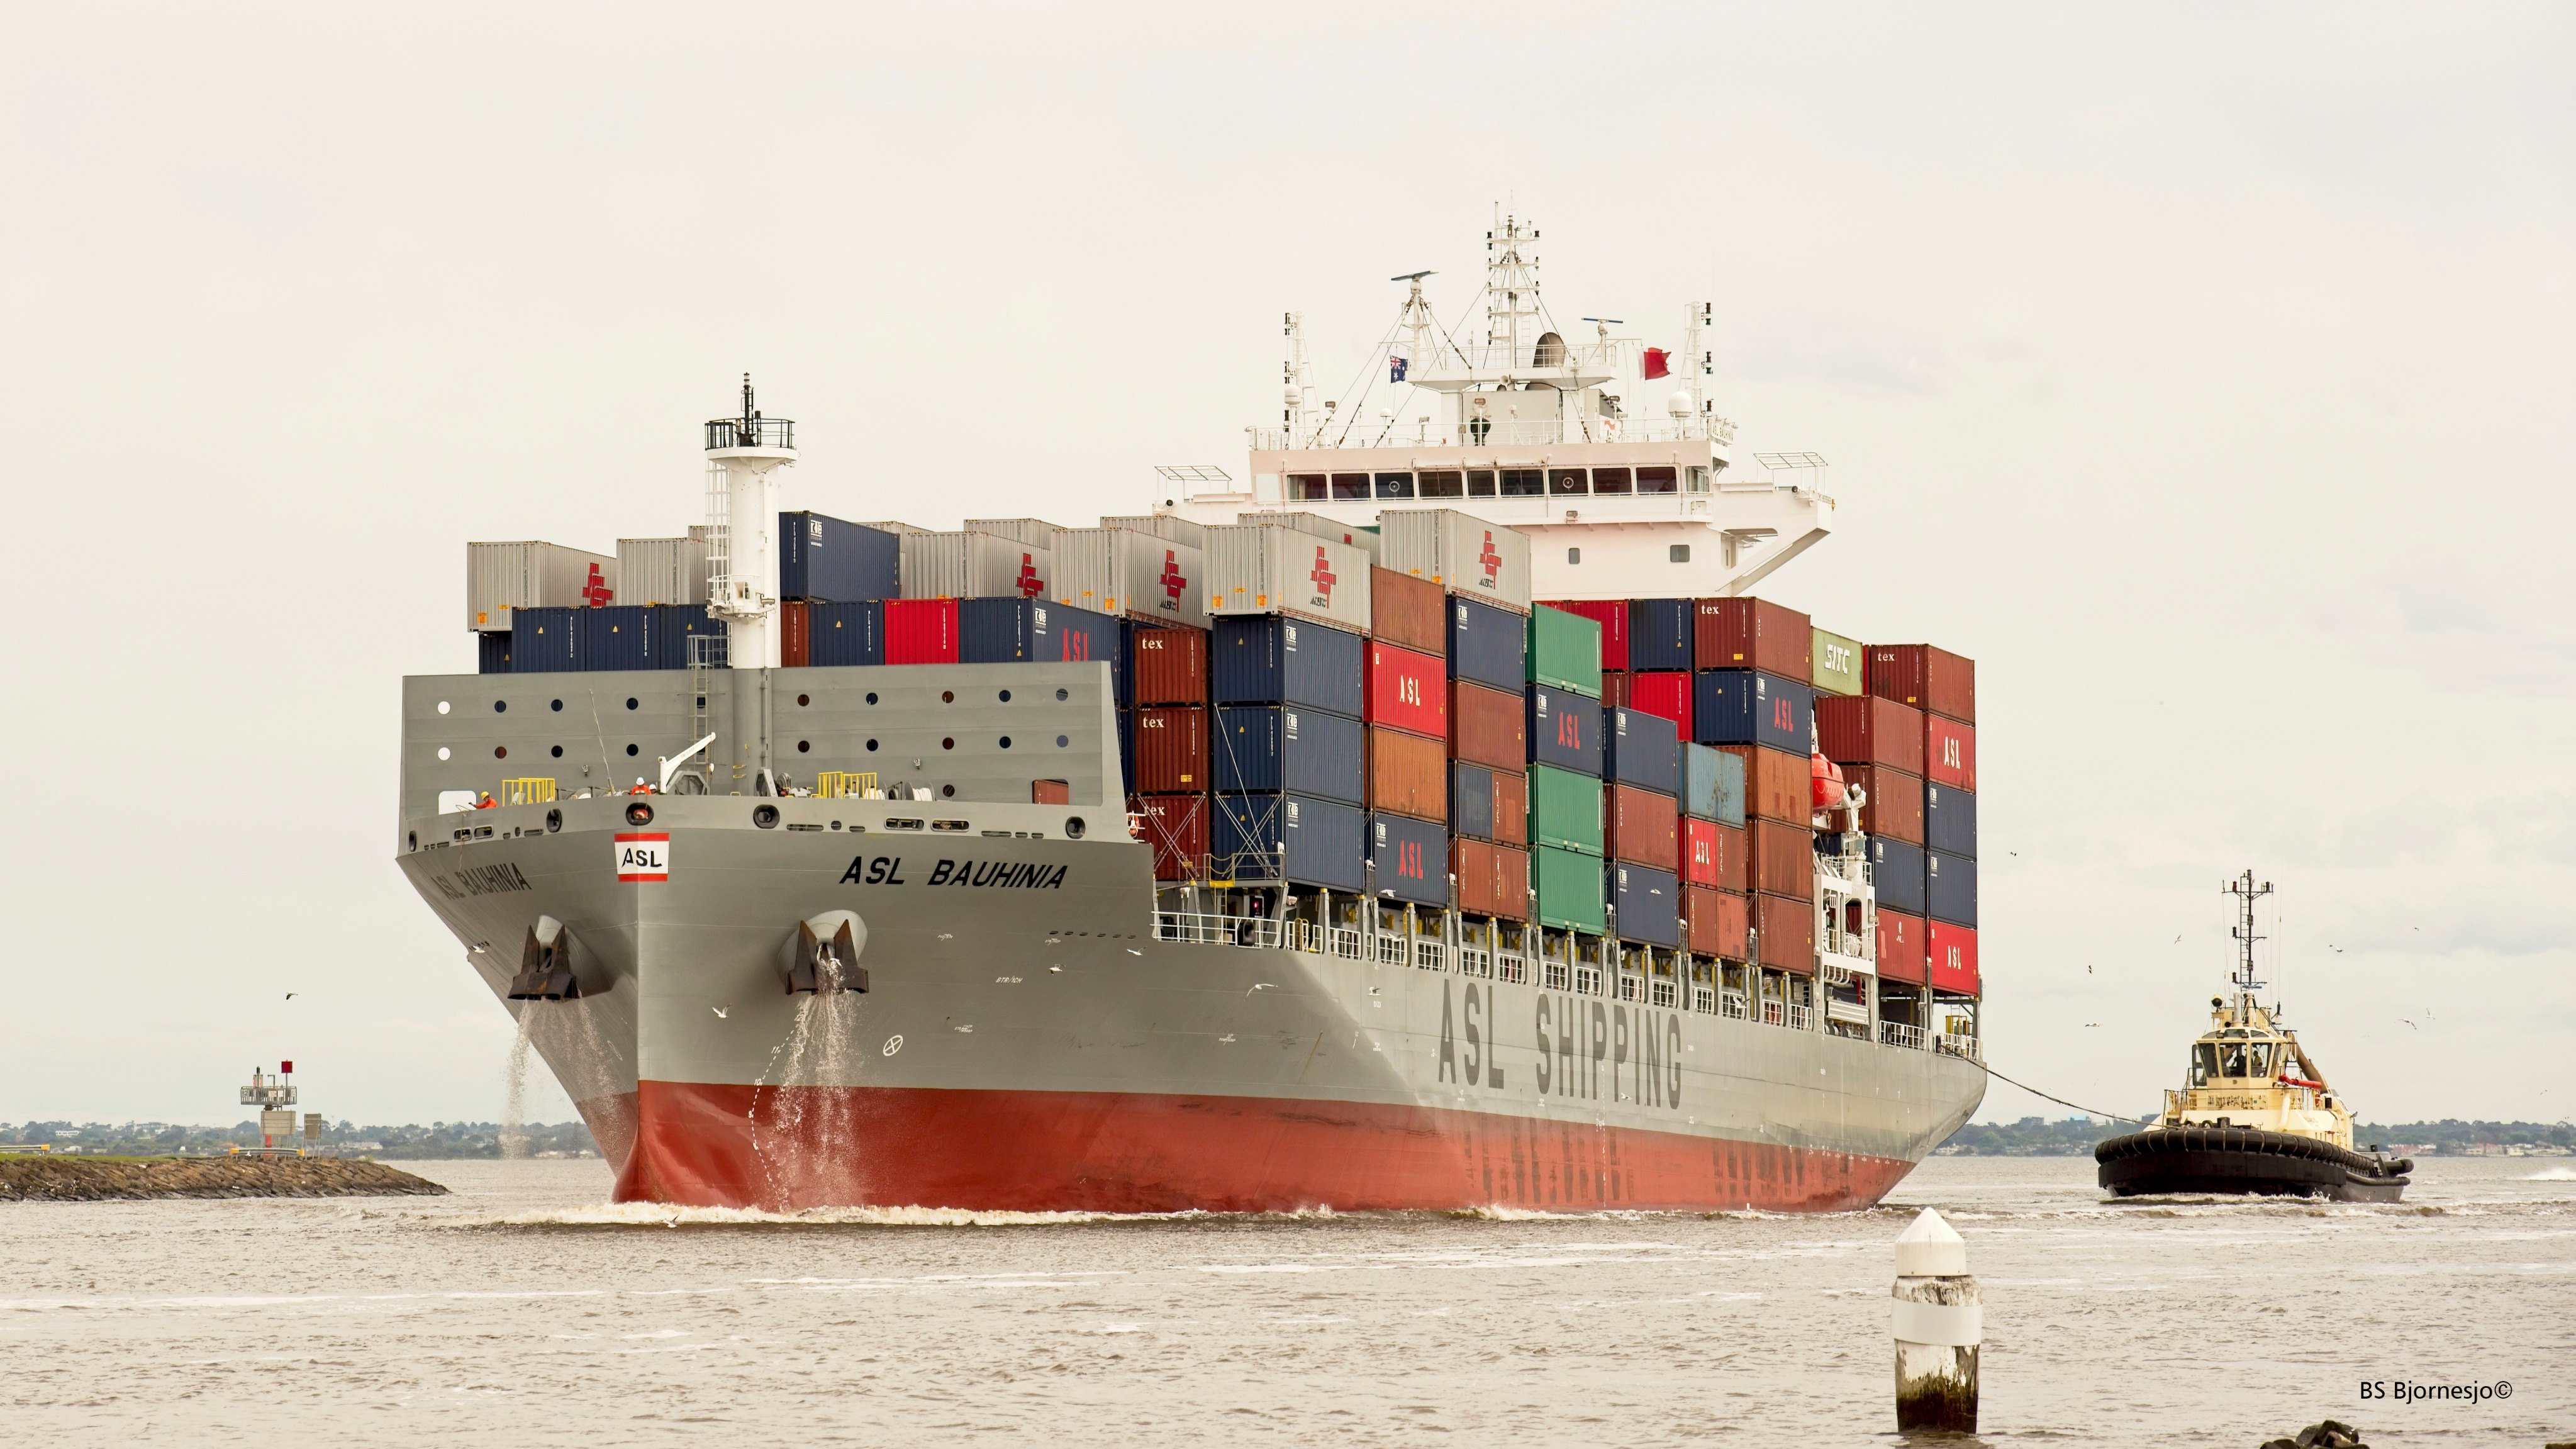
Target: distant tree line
(437, 1140)
(2075, 1136)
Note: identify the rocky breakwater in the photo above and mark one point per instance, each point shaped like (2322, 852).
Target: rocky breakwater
(103, 1179)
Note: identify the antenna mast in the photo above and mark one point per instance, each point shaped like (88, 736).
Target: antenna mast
(2246, 893)
(1511, 289)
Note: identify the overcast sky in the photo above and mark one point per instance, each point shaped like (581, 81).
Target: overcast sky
(2203, 372)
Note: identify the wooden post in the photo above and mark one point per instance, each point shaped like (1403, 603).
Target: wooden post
(1940, 1323)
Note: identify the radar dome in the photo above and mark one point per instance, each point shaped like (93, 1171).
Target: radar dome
(1679, 404)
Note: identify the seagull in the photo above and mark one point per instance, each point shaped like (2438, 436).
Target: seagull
(2088, 969)
(2177, 940)
(2091, 1024)
(720, 1013)
(1055, 968)
(1262, 986)
(290, 996)
(1229, 1036)
(2411, 1024)
(1132, 951)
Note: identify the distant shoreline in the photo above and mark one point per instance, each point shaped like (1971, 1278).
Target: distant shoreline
(52, 1178)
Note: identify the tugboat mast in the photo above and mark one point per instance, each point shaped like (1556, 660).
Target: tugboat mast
(2246, 893)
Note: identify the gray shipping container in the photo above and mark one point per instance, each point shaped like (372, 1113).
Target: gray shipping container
(1318, 525)
(1036, 532)
(1258, 570)
(890, 526)
(1458, 551)
(500, 577)
(1162, 525)
(662, 570)
(1130, 575)
(973, 566)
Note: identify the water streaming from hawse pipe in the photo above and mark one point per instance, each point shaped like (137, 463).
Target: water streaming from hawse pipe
(514, 1106)
(799, 1131)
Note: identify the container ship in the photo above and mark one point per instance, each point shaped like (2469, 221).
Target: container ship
(1432, 818)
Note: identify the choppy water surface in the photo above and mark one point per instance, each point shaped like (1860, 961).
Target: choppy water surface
(523, 1311)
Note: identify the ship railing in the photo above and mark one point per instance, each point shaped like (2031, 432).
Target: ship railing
(1512, 969)
(1587, 981)
(1960, 1044)
(1665, 992)
(1704, 1000)
(1904, 1034)
(1390, 950)
(1473, 962)
(1733, 1004)
(1553, 976)
(1487, 433)
(1851, 1012)
(1430, 956)
(1203, 929)
(1343, 941)
(1632, 987)
(1801, 1018)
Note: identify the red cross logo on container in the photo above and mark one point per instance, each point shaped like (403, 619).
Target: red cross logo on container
(597, 593)
(1323, 577)
(1492, 561)
(1030, 586)
(1174, 584)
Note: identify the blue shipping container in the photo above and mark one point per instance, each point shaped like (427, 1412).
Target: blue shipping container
(1017, 631)
(1295, 838)
(1126, 752)
(545, 641)
(1471, 800)
(1265, 659)
(1647, 904)
(1408, 860)
(1712, 784)
(681, 623)
(1659, 633)
(492, 653)
(1265, 748)
(1641, 749)
(1565, 730)
(1487, 644)
(838, 635)
(1949, 821)
(1896, 868)
(1741, 707)
(621, 637)
(829, 561)
(1950, 888)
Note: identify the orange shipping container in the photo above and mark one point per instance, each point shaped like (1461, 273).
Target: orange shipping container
(1177, 827)
(1949, 753)
(1488, 726)
(1716, 922)
(1493, 880)
(1645, 828)
(1926, 678)
(1753, 634)
(1168, 665)
(1171, 750)
(1901, 947)
(1614, 689)
(1784, 858)
(1788, 929)
(1895, 807)
(1777, 784)
(1864, 729)
(795, 635)
(1511, 807)
(1408, 611)
(1408, 775)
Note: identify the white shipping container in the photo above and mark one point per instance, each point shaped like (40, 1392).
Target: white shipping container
(973, 566)
(1036, 532)
(890, 526)
(1458, 551)
(500, 577)
(1162, 525)
(1256, 570)
(662, 570)
(1126, 574)
(1318, 525)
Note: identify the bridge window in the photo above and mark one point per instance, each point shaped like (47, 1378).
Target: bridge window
(1308, 487)
(1658, 480)
(1523, 483)
(1561, 481)
(1446, 485)
(1609, 480)
(1480, 483)
(1350, 485)
(1394, 485)
(1574, 555)
(1678, 553)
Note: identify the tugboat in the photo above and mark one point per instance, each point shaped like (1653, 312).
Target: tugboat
(2255, 1116)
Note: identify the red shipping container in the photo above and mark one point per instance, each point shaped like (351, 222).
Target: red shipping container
(1716, 922)
(1168, 666)
(1699, 853)
(1052, 792)
(1645, 828)
(1784, 858)
(1488, 726)
(1788, 929)
(1177, 827)
(1864, 729)
(1612, 616)
(1663, 692)
(1511, 807)
(1949, 752)
(1172, 750)
(1777, 784)
(921, 631)
(1752, 634)
(1924, 677)
(1952, 958)
(1900, 946)
(1408, 774)
(1407, 690)
(1614, 689)
(1493, 880)
(1409, 612)
(795, 635)
(1734, 858)
(1895, 805)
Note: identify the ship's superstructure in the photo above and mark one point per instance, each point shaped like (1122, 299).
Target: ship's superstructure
(1273, 849)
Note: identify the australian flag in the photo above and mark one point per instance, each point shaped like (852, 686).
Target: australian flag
(1395, 369)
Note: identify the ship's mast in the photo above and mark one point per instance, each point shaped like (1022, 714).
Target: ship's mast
(2246, 893)
(1511, 289)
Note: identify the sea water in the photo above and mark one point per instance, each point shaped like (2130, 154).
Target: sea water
(527, 1310)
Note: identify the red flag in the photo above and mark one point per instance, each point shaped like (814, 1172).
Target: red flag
(1659, 363)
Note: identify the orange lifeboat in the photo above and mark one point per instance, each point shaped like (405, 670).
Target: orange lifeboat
(1830, 791)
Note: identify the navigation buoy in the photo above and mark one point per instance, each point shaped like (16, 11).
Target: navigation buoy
(1940, 1322)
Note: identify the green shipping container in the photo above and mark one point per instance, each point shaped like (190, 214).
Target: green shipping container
(1837, 668)
(1568, 890)
(1564, 651)
(1565, 810)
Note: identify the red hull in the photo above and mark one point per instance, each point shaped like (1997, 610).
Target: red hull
(790, 1148)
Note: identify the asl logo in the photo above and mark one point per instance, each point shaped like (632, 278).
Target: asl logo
(1030, 586)
(1323, 578)
(597, 593)
(1173, 582)
(644, 858)
(1492, 561)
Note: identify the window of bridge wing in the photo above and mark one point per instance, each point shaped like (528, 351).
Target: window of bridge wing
(1394, 485)
(1659, 480)
(2231, 1059)
(1308, 487)
(1350, 485)
(2204, 1063)
(1445, 485)
(1523, 482)
(1561, 481)
(1480, 483)
(1609, 480)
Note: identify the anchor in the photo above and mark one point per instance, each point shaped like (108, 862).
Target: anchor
(824, 957)
(545, 965)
